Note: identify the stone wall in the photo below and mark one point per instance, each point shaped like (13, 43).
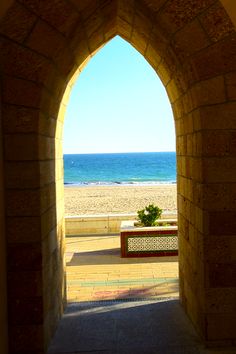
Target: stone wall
(43, 48)
(3, 272)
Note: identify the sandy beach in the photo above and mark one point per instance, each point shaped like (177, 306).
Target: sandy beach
(118, 199)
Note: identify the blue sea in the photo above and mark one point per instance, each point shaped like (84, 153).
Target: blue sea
(146, 168)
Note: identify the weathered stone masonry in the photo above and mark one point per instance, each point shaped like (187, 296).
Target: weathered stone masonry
(44, 45)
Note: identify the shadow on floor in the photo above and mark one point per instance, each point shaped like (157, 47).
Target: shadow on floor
(112, 256)
(132, 327)
(151, 292)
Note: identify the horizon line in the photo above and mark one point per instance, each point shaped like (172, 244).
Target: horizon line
(117, 152)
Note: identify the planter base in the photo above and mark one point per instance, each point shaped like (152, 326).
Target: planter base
(149, 242)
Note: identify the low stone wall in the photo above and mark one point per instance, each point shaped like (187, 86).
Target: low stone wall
(99, 224)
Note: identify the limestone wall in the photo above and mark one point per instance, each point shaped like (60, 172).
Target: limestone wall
(3, 282)
(191, 46)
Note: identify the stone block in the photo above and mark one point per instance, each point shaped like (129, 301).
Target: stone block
(47, 172)
(232, 196)
(217, 59)
(231, 85)
(164, 73)
(25, 257)
(221, 301)
(142, 27)
(50, 323)
(124, 28)
(222, 275)
(174, 92)
(187, 168)
(96, 40)
(178, 111)
(221, 248)
(188, 102)
(87, 8)
(201, 220)
(23, 202)
(222, 223)
(190, 39)
(21, 92)
(46, 147)
(48, 221)
(174, 16)
(19, 119)
(60, 189)
(219, 170)
(193, 236)
(152, 54)
(50, 105)
(24, 63)
(22, 175)
(197, 169)
(79, 46)
(216, 22)
(17, 23)
(220, 326)
(60, 127)
(21, 147)
(216, 143)
(49, 245)
(126, 11)
(23, 229)
(58, 150)
(66, 64)
(46, 40)
(25, 311)
(214, 196)
(197, 142)
(220, 116)
(189, 144)
(181, 145)
(208, 92)
(188, 124)
(46, 125)
(110, 28)
(59, 169)
(60, 14)
(93, 23)
(47, 197)
(139, 41)
(26, 336)
(25, 284)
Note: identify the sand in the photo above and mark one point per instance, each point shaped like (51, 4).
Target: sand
(92, 200)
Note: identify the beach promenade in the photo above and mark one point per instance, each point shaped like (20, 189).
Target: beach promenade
(95, 271)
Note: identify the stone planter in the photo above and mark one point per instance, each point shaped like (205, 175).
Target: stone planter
(155, 241)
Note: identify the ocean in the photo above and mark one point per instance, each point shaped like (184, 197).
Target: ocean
(146, 168)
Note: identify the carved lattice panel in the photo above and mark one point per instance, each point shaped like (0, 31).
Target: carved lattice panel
(152, 243)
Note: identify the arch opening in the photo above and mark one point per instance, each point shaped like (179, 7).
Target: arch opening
(118, 167)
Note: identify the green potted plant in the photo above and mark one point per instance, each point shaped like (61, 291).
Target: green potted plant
(149, 215)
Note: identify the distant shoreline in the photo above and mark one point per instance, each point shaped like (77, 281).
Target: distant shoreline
(117, 184)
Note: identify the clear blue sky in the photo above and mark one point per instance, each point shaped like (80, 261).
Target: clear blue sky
(118, 104)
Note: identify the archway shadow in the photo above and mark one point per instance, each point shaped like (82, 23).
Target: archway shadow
(112, 256)
(126, 327)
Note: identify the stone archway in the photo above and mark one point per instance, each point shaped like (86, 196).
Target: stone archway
(192, 46)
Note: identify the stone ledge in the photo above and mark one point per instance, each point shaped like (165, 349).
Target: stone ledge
(100, 224)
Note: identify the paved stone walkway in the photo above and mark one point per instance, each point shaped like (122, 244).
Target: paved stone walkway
(95, 271)
(123, 306)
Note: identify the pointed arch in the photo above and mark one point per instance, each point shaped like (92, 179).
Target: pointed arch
(43, 45)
